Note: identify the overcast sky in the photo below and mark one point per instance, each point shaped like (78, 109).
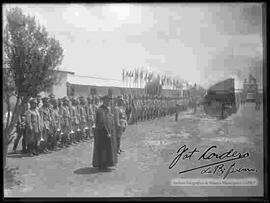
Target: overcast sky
(201, 43)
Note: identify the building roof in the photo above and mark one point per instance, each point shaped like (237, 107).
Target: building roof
(93, 81)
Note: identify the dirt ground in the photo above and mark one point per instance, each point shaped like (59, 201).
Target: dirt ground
(143, 168)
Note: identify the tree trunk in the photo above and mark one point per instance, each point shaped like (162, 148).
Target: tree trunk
(5, 153)
(8, 130)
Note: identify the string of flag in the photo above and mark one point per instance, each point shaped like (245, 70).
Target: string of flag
(139, 77)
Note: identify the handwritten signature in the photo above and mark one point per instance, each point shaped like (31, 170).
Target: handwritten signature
(217, 168)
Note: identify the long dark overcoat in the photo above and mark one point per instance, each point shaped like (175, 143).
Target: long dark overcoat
(103, 152)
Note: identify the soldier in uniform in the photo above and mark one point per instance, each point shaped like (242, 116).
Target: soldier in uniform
(120, 121)
(45, 115)
(51, 97)
(39, 102)
(65, 122)
(55, 124)
(144, 108)
(74, 139)
(96, 105)
(147, 108)
(177, 109)
(150, 108)
(139, 111)
(134, 110)
(103, 155)
(89, 117)
(128, 110)
(82, 118)
(60, 114)
(33, 127)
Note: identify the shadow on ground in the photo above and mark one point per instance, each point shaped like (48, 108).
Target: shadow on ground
(91, 170)
(10, 177)
(17, 155)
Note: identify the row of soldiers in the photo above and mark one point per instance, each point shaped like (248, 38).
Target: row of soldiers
(151, 107)
(56, 123)
(49, 123)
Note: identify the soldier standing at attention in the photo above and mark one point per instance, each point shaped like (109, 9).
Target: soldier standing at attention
(134, 110)
(39, 102)
(89, 117)
(51, 97)
(55, 124)
(46, 120)
(78, 132)
(66, 122)
(96, 106)
(60, 114)
(33, 127)
(73, 126)
(177, 109)
(82, 120)
(141, 109)
(120, 121)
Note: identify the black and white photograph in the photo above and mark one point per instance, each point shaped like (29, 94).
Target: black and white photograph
(105, 100)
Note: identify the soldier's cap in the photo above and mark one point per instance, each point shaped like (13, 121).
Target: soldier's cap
(74, 100)
(52, 96)
(33, 100)
(65, 99)
(120, 97)
(82, 98)
(106, 97)
(45, 99)
(53, 100)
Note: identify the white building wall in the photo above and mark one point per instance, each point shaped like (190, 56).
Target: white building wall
(60, 90)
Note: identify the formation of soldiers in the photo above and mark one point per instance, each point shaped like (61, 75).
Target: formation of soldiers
(149, 107)
(49, 124)
(55, 123)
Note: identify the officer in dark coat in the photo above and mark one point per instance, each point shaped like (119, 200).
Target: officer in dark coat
(103, 147)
